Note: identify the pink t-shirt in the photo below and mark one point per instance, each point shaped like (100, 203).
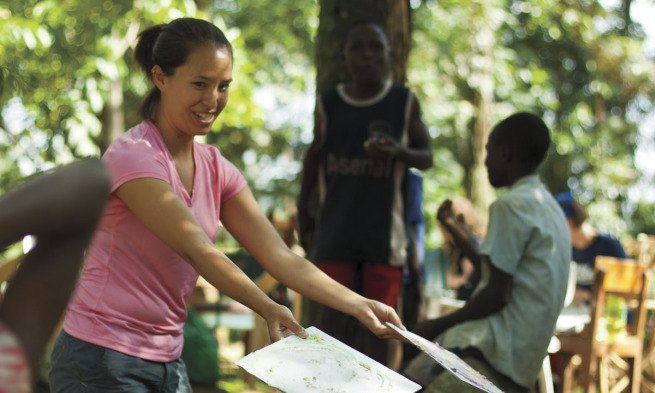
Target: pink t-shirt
(15, 374)
(132, 293)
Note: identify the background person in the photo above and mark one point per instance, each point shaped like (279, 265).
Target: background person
(586, 244)
(368, 131)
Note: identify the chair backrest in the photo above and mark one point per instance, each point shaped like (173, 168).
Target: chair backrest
(435, 265)
(570, 286)
(625, 278)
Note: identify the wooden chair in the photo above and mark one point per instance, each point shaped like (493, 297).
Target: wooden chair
(624, 278)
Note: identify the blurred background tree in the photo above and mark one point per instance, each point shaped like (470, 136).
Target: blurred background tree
(579, 64)
(69, 88)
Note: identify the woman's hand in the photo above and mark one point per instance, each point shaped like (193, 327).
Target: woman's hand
(281, 323)
(374, 314)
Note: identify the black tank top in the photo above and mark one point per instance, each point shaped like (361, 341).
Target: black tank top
(361, 217)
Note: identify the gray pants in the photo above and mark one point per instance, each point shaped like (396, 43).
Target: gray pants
(79, 366)
(428, 373)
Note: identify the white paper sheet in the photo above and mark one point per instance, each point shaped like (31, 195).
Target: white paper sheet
(449, 361)
(321, 363)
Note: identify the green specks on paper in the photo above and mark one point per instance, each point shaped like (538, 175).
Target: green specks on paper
(319, 363)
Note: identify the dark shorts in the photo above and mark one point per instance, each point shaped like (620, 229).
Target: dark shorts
(79, 366)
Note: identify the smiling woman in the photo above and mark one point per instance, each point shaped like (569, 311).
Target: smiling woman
(123, 328)
(195, 94)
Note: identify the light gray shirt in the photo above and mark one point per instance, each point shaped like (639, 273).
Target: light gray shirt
(527, 238)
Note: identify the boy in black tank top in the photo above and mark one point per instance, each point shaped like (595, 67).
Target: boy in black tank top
(367, 133)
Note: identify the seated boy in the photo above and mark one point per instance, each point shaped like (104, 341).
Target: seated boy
(503, 331)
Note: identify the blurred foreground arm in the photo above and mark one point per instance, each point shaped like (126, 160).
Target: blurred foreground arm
(61, 210)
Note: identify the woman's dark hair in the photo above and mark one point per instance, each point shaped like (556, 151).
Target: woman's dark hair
(168, 46)
(528, 133)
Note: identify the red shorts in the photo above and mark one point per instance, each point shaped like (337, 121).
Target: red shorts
(374, 281)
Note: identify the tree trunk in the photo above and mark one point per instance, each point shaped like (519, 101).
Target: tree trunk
(113, 119)
(626, 7)
(399, 30)
(480, 192)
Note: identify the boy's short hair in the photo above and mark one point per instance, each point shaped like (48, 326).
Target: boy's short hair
(528, 133)
(366, 22)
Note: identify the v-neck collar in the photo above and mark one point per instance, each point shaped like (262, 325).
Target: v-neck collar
(178, 180)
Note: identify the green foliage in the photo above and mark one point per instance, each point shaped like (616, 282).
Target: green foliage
(570, 61)
(264, 128)
(644, 218)
(596, 76)
(60, 59)
(443, 180)
(579, 64)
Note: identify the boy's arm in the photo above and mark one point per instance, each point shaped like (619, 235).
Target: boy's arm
(491, 299)
(309, 177)
(308, 182)
(419, 152)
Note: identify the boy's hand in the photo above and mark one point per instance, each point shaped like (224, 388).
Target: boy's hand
(445, 213)
(381, 147)
(432, 328)
(456, 226)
